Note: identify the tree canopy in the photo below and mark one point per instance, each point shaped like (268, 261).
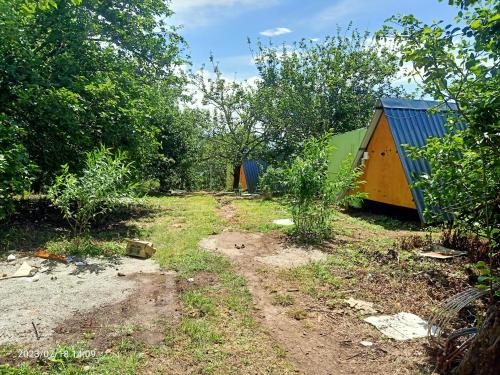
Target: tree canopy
(313, 87)
(77, 74)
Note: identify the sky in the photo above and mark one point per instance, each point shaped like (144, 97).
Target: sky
(222, 27)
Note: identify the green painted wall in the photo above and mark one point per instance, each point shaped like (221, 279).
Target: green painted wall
(344, 146)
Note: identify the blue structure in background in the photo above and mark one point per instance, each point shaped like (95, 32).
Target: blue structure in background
(253, 170)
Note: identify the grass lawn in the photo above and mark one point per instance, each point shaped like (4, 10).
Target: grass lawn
(217, 332)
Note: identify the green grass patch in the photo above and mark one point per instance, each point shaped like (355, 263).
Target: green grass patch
(198, 303)
(178, 247)
(201, 331)
(85, 247)
(258, 214)
(75, 360)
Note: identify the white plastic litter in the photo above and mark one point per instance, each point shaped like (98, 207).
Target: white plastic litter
(401, 327)
(284, 222)
(11, 258)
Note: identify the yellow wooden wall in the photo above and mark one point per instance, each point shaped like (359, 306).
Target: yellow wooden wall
(243, 179)
(384, 175)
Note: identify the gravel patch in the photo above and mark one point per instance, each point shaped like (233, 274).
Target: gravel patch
(57, 291)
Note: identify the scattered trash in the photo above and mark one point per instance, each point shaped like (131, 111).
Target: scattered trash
(11, 258)
(366, 343)
(33, 279)
(371, 275)
(80, 264)
(40, 253)
(24, 271)
(284, 222)
(191, 280)
(441, 252)
(140, 249)
(362, 306)
(121, 274)
(400, 327)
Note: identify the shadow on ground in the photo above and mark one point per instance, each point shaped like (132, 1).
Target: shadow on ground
(37, 222)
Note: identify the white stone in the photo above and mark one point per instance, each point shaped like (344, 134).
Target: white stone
(11, 257)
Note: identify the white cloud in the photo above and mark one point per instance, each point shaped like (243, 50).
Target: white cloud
(276, 31)
(337, 12)
(197, 13)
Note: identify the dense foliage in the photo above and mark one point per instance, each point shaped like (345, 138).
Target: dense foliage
(75, 74)
(15, 166)
(313, 87)
(459, 64)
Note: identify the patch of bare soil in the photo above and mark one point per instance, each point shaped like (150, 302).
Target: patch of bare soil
(271, 250)
(317, 340)
(227, 210)
(138, 317)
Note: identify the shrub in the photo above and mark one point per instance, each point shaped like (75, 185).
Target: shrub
(273, 181)
(103, 184)
(311, 194)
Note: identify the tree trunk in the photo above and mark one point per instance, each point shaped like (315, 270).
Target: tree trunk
(483, 357)
(236, 177)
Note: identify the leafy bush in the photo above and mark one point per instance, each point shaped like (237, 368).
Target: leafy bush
(103, 184)
(273, 181)
(311, 195)
(15, 167)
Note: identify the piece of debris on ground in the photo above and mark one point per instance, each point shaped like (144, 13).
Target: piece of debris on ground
(441, 252)
(361, 306)
(401, 327)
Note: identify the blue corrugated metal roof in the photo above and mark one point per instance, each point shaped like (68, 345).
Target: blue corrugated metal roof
(253, 170)
(412, 124)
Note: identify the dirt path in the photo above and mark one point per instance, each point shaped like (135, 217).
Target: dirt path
(317, 340)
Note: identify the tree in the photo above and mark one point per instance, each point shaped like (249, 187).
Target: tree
(78, 73)
(315, 87)
(15, 167)
(234, 131)
(458, 65)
